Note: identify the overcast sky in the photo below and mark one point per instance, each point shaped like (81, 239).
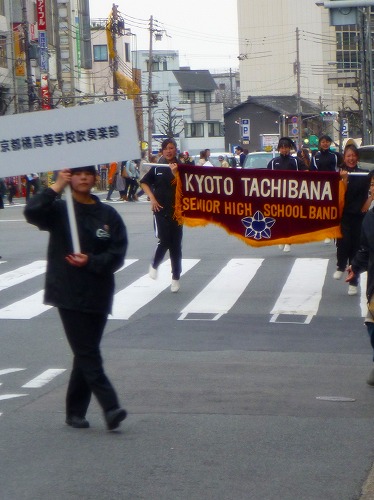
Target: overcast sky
(203, 31)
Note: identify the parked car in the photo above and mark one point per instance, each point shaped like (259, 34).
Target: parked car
(213, 158)
(259, 159)
(366, 157)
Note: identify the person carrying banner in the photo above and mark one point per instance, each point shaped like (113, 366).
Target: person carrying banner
(159, 184)
(364, 261)
(355, 206)
(81, 285)
(286, 162)
(326, 160)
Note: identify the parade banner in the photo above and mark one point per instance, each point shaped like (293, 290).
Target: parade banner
(42, 141)
(261, 207)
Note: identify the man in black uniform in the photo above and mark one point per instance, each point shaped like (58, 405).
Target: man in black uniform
(326, 160)
(285, 161)
(159, 184)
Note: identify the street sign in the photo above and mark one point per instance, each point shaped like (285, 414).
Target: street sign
(66, 138)
(344, 128)
(245, 123)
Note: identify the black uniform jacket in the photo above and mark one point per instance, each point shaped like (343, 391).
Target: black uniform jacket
(357, 191)
(102, 236)
(364, 258)
(326, 161)
(287, 162)
(163, 184)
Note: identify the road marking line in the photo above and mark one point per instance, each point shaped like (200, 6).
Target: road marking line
(32, 305)
(363, 298)
(22, 274)
(302, 291)
(26, 308)
(11, 396)
(223, 291)
(11, 370)
(135, 296)
(43, 378)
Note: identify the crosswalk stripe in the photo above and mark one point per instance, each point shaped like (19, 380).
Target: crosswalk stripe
(26, 308)
(22, 274)
(302, 291)
(33, 306)
(138, 294)
(5, 371)
(299, 298)
(3, 397)
(363, 298)
(43, 378)
(223, 291)
(127, 263)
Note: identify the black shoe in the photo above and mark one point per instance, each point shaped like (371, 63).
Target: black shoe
(114, 418)
(77, 422)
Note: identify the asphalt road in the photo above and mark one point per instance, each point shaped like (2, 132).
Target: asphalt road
(227, 408)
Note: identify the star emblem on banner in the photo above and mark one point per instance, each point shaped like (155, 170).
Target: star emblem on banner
(258, 226)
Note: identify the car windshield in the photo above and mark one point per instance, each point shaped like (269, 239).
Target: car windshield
(213, 158)
(257, 160)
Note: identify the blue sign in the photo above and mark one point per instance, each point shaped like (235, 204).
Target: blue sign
(344, 127)
(44, 63)
(245, 129)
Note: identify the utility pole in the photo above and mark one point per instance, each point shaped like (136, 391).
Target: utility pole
(150, 68)
(30, 85)
(232, 97)
(363, 79)
(369, 57)
(298, 92)
(115, 59)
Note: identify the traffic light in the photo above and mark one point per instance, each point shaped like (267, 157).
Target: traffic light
(329, 115)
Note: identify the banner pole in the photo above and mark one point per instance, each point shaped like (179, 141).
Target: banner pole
(72, 220)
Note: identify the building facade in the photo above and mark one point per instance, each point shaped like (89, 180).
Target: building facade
(285, 39)
(179, 102)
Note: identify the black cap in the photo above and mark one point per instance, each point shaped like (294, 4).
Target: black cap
(286, 141)
(89, 168)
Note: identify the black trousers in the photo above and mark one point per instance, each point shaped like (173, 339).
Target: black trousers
(170, 234)
(348, 245)
(133, 187)
(84, 332)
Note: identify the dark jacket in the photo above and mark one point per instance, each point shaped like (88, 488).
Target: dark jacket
(364, 258)
(102, 236)
(326, 161)
(357, 192)
(163, 184)
(287, 162)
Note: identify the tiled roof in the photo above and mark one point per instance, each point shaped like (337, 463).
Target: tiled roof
(192, 80)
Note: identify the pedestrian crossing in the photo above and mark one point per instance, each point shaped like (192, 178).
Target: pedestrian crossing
(298, 301)
(37, 382)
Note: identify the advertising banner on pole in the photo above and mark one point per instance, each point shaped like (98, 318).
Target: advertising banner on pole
(66, 138)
